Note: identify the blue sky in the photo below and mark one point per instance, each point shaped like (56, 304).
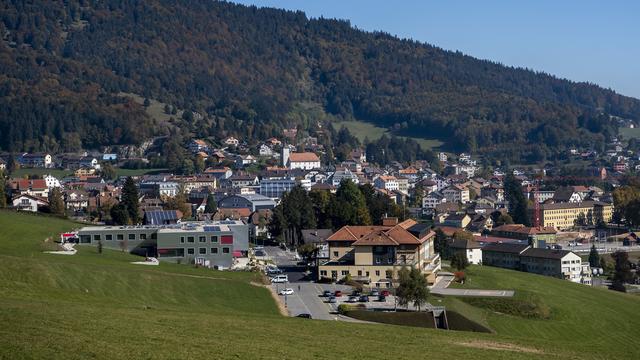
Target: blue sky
(581, 40)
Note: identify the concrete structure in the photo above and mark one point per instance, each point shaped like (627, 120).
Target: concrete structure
(375, 254)
(537, 237)
(560, 264)
(563, 216)
(305, 161)
(212, 244)
(252, 202)
(503, 255)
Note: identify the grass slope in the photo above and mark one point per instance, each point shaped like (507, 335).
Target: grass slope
(362, 130)
(100, 306)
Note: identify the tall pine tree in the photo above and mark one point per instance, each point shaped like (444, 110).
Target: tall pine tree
(130, 200)
(517, 202)
(56, 203)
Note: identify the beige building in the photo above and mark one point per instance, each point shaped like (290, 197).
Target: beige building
(563, 216)
(375, 254)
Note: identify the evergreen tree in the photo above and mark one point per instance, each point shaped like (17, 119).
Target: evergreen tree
(212, 204)
(441, 245)
(517, 201)
(119, 214)
(350, 207)
(413, 288)
(108, 171)
(56, 203)
(594, 257)
(622, 274)
(459, 261)
(3, 195)
(130, 200)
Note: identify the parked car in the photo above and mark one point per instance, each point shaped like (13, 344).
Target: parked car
(352, 299)
(382, 298)
(327, 293)
(375, 292)
(305, 316)
(260, 253)
(356, 292)
(280, 279)
(338, 293)
(385, 293)
(364, 298)
(287, 291)
(333, 299)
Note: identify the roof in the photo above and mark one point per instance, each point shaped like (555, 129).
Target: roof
(379, 235)
(464, 244)
(26, 184)
(521, 229)
(160, 217)
(505, 248)
(315, 235)
(200, 142)
(303, 157)
(546, 253)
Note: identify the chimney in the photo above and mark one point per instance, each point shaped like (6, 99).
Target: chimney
(389, 221)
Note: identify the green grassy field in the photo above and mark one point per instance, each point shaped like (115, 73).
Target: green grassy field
(58, 173)
(100, 306)
(629, 133)
(138, 172)
(362, 130)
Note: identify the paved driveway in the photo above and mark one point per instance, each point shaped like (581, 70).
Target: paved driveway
(307, 299)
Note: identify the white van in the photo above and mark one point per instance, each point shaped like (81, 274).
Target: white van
(280, 279)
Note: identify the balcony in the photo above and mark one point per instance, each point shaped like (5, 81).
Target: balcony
(432, 264)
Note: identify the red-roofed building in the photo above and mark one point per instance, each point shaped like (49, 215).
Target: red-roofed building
(375, 254)
(34, 187)
(305, 161)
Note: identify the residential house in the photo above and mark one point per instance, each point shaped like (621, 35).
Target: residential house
(252, 202)
(243, 180)
(458, 220)
(26, 202)
(231, 141)
(561, 264)
(535, 236)
(456, 194)
(244, 160)
(276, 187)
(37, 160)
(386, 182)
(76, 200)
(258, 223)
(265, 150)
(51, 181)
(375, 254)
(468, 248)
(504, 255)
(33, 187)
(341, 174)
(305, 161)
(433, 199)
(198, 145)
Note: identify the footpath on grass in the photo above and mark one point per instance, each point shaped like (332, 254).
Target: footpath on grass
(441, 287)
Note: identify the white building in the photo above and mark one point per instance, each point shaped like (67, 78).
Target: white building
(456, 194)
(265, 150)
(275, 187)
(27, 202)
(386, 182)
(51, 181)
(231, 141)
(305, 161)
(469, 248)
(561, 264)
(432, 200)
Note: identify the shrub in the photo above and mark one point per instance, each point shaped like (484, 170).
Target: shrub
(460, 276)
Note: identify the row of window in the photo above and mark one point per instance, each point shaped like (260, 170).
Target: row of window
(224, 239)
(109, 237)
(334, 273)
(191, 251)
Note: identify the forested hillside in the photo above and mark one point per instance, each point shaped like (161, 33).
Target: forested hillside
(251, 72)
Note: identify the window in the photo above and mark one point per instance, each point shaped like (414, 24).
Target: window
(181, 239)
(120, 236)
(171, 252)
(214, 250)
(202, 239)
(108, 237)
(143, 236)
(225, 250)
(191, 251)
(190, 239)
(132, 236)
(202, 251)
(345, 272)
(96, 237)
(214, 239)
(359, 272)
(377, 272)
(335, 254)
(323, 272)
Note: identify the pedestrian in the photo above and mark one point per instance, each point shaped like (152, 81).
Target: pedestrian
(298, 288)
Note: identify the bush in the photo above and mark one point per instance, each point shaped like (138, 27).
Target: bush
(460, 276)
(325, 280)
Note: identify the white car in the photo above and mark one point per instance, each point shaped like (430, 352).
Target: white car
(287, 291)
(280, 279)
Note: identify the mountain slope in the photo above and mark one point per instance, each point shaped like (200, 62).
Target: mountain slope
(247, 69)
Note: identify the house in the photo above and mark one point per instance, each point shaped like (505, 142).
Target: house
(82, 162)
(76, 200)
(198, 145)
(231, 141)
(375, 254)
(244, 160)
(162, 217)
(51, 181)
(33, 187)
(36, 160)
(221, 173)
(386, 182)
(504, 255)
(458, 220)
(265, 150)
(242, 180)
(110, 157)
(480, 222)
(561, 264)
(567, 194)
(468, 248)
(273, 142)
(3, 164)
(341, 174)
(26, 202)
(258, 223)
(305, 161)
(240, 214)
(432, 200)
(456, 194)
(358, 155)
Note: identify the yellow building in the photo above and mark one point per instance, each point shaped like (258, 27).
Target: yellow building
(374, 254)
(563, 216)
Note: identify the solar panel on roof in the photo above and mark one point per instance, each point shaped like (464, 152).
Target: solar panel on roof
(211, 228)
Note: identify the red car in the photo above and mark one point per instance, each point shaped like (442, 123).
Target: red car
(385, 293)
(338, 293)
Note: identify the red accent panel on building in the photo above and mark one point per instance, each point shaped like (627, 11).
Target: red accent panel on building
(226, 239)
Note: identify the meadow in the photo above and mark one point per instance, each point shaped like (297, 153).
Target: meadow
(101, 306)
